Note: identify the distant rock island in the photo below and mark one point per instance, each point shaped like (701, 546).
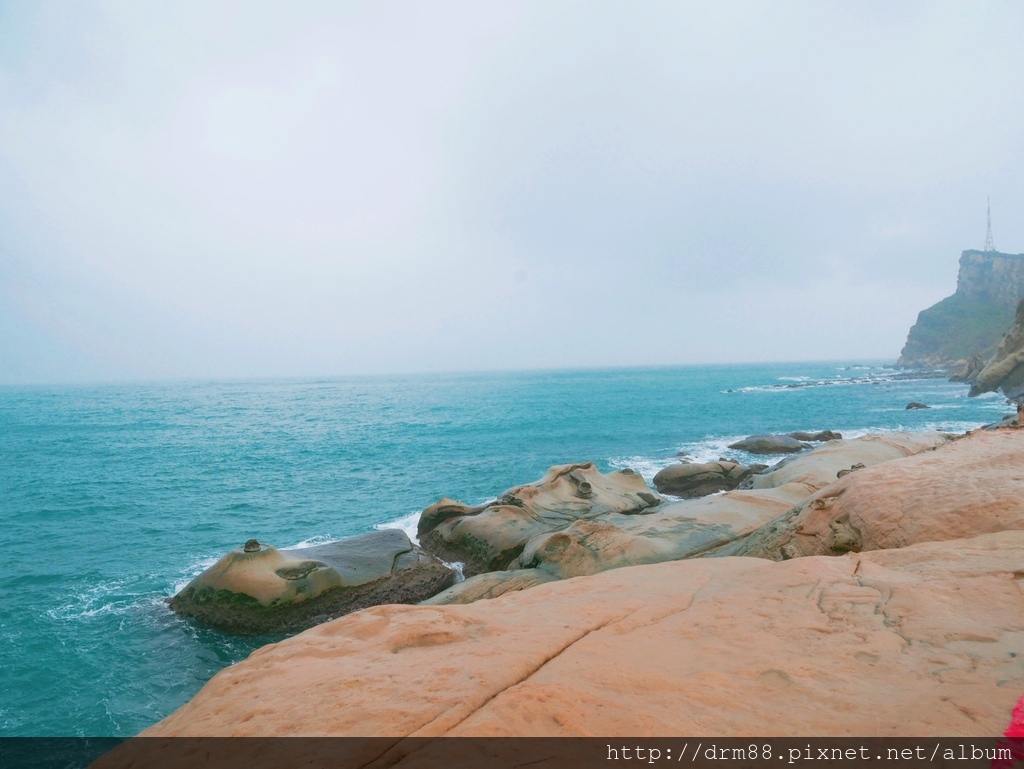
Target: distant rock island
(973, 320)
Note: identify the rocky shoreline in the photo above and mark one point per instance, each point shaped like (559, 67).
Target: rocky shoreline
(867, 586)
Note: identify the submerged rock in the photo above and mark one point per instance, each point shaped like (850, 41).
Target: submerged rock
(257, 588)
(769, 444)
(690, 480)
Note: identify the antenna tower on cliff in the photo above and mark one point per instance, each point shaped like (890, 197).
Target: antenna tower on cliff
(989, 243)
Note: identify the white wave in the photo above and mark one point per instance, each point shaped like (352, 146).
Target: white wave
(794, 379)
(646, 466)
(407, 524)
(319, 539)
(190, 572)
(117, 596)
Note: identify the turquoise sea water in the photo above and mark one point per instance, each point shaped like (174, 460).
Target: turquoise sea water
(112, 497)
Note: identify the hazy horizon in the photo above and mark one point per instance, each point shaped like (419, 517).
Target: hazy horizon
(251, 190)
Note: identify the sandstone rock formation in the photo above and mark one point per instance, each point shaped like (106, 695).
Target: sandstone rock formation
(1005, 371)
(920, 641)
(769, 444)
(591, 541)
(820, 467)
(968, 370)
(257, 588)
(491, 537)
(973, 485)
(689, 479)
(973, 319)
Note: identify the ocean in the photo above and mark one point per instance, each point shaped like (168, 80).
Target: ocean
(112, 497)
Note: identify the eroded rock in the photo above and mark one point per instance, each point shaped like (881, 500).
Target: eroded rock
(584, 540)
(491, 537)
(970, 486)
(257, 588)
(691, 480)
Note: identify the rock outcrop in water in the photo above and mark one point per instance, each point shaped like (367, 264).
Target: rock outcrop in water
(257, 588)
(972, 320)
(1005, 371)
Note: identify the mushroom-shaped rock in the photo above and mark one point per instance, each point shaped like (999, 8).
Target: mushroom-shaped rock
(768, 444)
(257, 588)
(692, 480)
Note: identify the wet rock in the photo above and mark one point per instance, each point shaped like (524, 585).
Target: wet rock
(916, 405)
(690, 480)
(257, 588)
(769, 444)
(818, 437)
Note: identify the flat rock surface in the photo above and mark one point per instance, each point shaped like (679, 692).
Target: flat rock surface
(921, 641)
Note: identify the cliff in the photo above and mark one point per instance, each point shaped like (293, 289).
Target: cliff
(1005, 370)
(918, 633)
(973, 319)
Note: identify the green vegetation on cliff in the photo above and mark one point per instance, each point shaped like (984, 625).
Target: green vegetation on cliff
(954, 329)
(971, 321)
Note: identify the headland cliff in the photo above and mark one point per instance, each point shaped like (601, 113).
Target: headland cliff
(972, 321)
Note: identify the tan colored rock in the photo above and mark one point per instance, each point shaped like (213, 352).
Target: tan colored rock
(581, 541)
(970, 486)
(820, 467)
(922, 641)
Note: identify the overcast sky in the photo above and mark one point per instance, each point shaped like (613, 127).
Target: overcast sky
(242, 189)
